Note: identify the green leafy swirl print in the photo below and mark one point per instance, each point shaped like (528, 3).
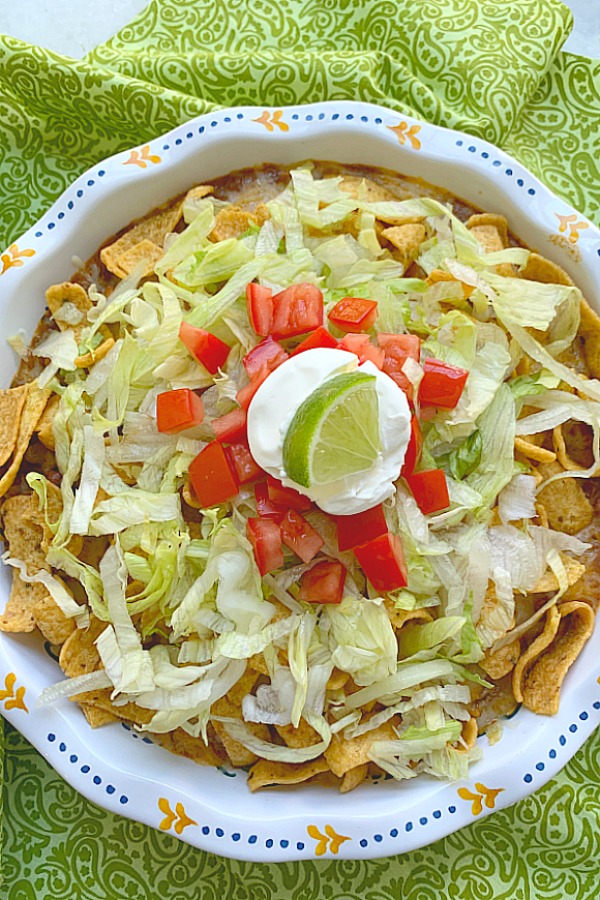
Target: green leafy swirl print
(59, 845)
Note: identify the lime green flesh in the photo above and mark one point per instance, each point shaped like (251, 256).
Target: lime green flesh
(334, 432)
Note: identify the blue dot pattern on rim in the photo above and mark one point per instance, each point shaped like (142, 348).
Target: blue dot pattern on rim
(85, 769)
(308, 118)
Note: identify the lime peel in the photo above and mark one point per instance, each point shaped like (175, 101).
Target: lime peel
(334, 432)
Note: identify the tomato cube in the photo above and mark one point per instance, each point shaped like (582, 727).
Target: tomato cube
(244, 395)
(382, 561)
(285, 496)
(353, 314)
(231, 427)
(243, 464)
(265, 506)
(324, 583)
(178, 410)
(300, 536)
(398, 348)
(259, 304)
(296, 310)
(430, 490)
(414, 449)
(268, 353)
(360, 527)
(212, 478)
(319, 339)
(400, 344)
(208, 349)
(363, 348)
(442, 384)
(265, 537)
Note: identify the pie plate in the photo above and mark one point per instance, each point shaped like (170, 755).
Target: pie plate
(125, 772)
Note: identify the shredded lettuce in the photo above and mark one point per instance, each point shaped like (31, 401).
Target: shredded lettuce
(134, 507)
(266, 750)
(362, 640)
(194, 237)
(126, 663)
(60, 347)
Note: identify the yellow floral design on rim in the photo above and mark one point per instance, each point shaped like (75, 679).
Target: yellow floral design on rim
(269, 120)
(572, 250)
(13, 699)
(331, 840)
(573, 225)
(402, 132)
(483, 795)
(13, 258)
(142, 157)
(179, 817)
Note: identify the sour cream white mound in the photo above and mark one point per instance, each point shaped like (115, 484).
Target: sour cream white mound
(273, 408)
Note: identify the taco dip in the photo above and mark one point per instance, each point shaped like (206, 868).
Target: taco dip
(298, 475)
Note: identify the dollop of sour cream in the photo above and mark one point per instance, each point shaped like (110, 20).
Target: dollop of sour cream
(276, 401)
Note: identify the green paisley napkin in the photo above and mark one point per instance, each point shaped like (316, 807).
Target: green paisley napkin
(493, 69)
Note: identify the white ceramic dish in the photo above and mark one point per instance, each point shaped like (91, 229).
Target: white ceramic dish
(115, 767)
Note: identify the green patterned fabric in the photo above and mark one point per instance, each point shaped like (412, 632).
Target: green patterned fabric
(59, 846)
(493, 69)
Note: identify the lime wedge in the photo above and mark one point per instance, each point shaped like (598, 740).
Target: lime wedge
(334, 432)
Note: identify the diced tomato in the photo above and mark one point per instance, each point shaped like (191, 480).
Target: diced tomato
(404, 344)
(245, 394)
(243, 464)
(208, 349)
(265, 506)
(414, 449)
(268, 353)
(382, 561)
(285, 496)
(442, 384)
(178, 410)
(361, 527)
(324, 583)
(320, 338)
(353, 314)
(300, 536)
(296, 310)
(430, 490)
(265, 537)
(212, 478)
(231, 427)
(398, 348)
(361, 345)
(259, 303)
